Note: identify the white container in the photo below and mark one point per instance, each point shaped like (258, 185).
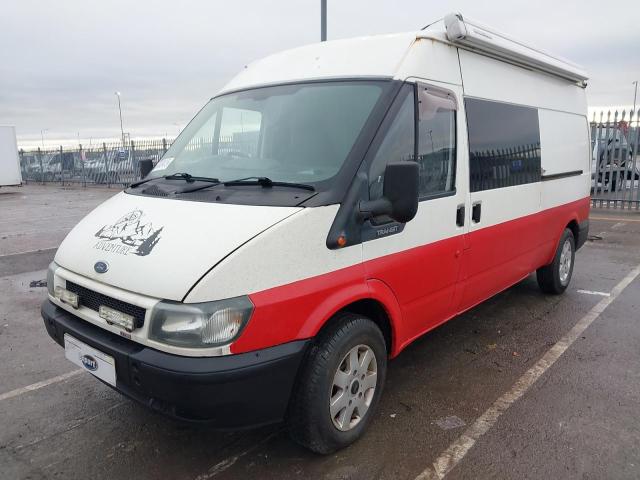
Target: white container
(9, 162)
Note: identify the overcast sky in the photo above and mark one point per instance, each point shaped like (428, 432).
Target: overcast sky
(61, 61)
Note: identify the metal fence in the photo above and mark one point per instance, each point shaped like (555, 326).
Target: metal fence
(119, 164)
(104, 164)
(615, 164)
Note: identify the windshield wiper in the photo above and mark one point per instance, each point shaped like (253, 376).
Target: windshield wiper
(266, 182)
(190, 178)
(178, 176)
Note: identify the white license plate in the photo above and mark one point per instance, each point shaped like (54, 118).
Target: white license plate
(93, 361)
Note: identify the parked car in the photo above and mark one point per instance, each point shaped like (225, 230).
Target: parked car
(118, 166)
(57, 165)
(613, 161)
(382, 197)
(30, 165)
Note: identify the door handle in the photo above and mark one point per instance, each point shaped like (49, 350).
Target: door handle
(460, 216)
(476, 212)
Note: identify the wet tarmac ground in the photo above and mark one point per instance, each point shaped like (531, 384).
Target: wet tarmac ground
(476, 398)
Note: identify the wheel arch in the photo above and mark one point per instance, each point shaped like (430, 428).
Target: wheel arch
(377, 303)
(574, 227)
(570, 222)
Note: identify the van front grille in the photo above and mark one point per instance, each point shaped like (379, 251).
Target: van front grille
(93, 300)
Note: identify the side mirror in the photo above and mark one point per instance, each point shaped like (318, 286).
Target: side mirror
(401, 184)
(400, 194)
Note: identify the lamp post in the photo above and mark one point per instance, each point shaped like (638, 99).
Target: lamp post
(635, 95)
(323, 20)
(42, 136)
(120, 110)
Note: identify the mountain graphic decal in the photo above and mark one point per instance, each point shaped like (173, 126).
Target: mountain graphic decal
(129, 235)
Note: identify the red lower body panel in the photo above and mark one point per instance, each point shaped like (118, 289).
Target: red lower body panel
(419, 288)
(504, 254)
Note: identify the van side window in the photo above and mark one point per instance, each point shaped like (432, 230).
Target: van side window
(436, 141)
(504, 144)
(398, 143)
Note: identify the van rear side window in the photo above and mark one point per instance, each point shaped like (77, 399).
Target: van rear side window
(504, 144)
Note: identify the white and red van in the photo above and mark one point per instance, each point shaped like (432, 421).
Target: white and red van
(330, 205)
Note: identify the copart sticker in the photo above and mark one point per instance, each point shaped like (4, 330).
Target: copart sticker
(129, 235)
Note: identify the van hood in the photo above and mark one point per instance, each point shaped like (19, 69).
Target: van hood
(160, 247)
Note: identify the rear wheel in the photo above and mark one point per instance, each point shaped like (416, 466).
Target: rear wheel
(555, 277)
(339, 386)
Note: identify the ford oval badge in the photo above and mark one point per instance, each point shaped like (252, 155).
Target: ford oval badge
(101, 267)
(89, 362)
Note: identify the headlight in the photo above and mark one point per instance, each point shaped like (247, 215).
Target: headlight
(200, 325)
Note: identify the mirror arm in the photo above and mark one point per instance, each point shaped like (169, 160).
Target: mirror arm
(373, 208)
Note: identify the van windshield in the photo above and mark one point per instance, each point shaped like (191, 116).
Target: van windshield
(290, 133)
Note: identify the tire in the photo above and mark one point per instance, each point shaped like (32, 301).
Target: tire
(309, 419)
(555, 277)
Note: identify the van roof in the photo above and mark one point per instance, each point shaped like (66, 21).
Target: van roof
(382, 56)
(362, 57)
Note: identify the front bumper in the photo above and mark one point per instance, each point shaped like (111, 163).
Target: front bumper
(233, 391)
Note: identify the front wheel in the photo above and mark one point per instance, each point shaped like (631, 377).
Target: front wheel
(555, 277)
(339, 386)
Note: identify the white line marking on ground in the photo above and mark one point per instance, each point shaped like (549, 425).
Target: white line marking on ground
(29, 251)
(72, 427)
(592, 292)
(227, 463)
(448, 459)
(609, 219)
(618, 225)
(39, 385)
(21, 233)
(79, 216)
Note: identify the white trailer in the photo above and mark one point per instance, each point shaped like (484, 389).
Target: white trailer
(9, 162)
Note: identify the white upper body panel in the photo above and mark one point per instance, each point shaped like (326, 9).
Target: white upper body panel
(424, 54)
(159, 247)
(491, 79)
(364, 57)
(565, 142)
(294, 249)
(378, 56)
(431, 58)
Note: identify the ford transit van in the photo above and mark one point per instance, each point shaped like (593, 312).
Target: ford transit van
(330, 205)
